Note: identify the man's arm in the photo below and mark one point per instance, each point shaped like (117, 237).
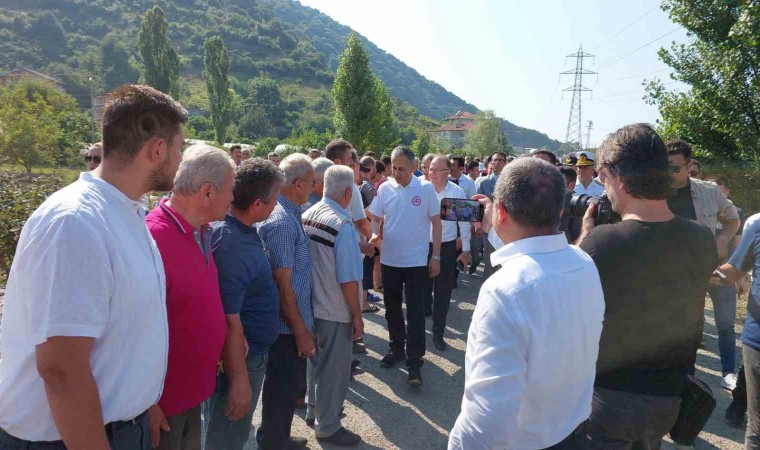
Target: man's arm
(64, 364)
(351, 296)
(495, 382)
(233, 356)
(363, 226)
(291, 313)
(727, 233)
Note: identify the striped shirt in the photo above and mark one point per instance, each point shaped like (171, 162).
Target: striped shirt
(287, 247)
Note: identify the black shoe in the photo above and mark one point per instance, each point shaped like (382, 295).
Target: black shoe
(296, 442)
(358, 348)
(342, 438)
(310, 421)
(392, 357)
(415, 379)
(735, 414)
(439, 343)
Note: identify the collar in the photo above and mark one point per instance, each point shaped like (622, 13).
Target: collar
(289, 206)
(414, 183)
(182, 225)
(111, 190)
(339, 210)
(446, 188)
(527, 246)
(234, 221)
(462, 177)
(692, 187)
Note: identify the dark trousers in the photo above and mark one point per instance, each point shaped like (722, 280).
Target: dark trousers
(752, 372)
(409, 282)
(438, 290)
(278, 397)
(121, 436)
(488, 269)
(628, 421)
(575, 441)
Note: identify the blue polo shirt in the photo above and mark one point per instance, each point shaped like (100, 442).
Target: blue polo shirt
(746, 257)
(246, 283)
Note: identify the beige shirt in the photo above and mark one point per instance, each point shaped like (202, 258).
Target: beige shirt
(710, 205)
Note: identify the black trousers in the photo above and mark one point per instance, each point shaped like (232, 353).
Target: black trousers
(438, 290)
(575, 441)
(409, 282)
(278, 397)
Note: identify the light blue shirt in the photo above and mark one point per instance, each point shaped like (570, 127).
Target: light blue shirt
(486, 185)
(348, 259)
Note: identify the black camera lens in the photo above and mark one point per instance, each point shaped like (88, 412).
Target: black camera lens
(579, 203)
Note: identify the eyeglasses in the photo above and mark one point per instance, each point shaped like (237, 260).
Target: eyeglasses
(95, 159)
(439, 170)
(495, 160)
(313, 182)
(676, 168)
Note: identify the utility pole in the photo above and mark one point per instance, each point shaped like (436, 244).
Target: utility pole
(588, 133)
(574, 135)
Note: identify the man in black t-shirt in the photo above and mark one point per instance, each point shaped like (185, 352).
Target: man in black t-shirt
(654, 268)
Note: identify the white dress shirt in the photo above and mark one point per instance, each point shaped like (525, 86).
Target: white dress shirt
(467, 185)
(407, 212)
(594, 189)
(448, 227)
(86, 266)
(531, 349)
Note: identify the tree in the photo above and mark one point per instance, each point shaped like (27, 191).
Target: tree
(363, 110)
(115, 62)
(29, 126)
(720, 114)
(309, 138)
(486, 137)
(216, 66)
(159, 59)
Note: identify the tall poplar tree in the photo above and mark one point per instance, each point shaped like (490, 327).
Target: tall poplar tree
(216, 67)
(160, 63)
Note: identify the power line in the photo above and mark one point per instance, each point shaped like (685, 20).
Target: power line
(640, 76)
(629, 26)
(639, 48)
(630, 92)
(574, 133)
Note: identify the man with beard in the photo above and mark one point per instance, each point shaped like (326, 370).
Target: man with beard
(84, 332)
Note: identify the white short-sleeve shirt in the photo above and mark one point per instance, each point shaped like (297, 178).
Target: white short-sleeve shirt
(594, 189)
(407, 212)
(86, 266)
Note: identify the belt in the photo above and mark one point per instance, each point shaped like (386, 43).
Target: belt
(113, 427)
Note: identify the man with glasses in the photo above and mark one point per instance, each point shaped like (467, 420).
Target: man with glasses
(486, 186)
(586, 183)
(93, 156)
(288, 250)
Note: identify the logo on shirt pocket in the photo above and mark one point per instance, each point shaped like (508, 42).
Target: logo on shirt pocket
(416, 200)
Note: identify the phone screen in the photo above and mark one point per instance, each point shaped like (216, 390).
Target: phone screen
(461, 210)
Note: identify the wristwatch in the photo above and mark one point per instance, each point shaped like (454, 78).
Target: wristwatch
(436, 258)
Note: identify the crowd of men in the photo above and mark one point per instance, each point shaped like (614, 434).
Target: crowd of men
(124, 330)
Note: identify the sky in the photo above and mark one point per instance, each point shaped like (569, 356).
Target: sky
(506, 55)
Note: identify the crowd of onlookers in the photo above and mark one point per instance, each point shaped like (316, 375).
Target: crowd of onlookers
(124, 330)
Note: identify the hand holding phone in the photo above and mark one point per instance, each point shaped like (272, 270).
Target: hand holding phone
(461, 210)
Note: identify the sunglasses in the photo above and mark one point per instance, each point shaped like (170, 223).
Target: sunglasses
(95, 159)
(677, 168)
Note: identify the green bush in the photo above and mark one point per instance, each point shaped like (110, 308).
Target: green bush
(19, 197)
(743, 180)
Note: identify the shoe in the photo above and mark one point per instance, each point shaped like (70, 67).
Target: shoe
(359, 347)
(735, 414)
(392, 357)
(310, 421)
(355, 363)
(415, 379)
(439, 343)
(728, 381)
(296, 442)
(342, 438)
(371, 309)
(373, 298)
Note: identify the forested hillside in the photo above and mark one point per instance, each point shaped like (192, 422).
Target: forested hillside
(283, 58)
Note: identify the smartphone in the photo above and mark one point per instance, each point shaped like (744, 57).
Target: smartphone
(720, 275)
(461, 210)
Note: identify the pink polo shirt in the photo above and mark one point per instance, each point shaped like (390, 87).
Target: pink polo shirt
(197, 325)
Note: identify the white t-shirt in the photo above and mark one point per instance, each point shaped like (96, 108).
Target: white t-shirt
(407, 212)
(356, 210)
(594, 189)
(85, 266)
(467, 185)
(448, 227)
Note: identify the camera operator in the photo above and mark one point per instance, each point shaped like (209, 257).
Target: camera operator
(654, 267)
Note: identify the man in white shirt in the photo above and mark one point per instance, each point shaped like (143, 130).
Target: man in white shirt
(532, 348)
(458, 177)
(440, 287)
(586, 183)
(84, 332)
(408, 207)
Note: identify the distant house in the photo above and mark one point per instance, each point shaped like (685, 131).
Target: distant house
(454, 128)
(25, 72)
(98, 105)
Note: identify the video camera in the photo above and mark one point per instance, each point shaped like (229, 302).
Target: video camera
(579, 203)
